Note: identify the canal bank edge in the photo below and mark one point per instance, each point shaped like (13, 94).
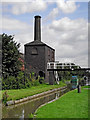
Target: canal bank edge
(13, 102)
(49, 102)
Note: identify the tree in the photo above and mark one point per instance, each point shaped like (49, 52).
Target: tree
(67, 75)
(10, 56)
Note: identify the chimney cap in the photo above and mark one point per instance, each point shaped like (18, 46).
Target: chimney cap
(37, 16)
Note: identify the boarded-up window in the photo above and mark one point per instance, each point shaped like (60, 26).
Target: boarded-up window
(34, 51)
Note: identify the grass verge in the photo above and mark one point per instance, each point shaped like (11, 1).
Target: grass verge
(22, 93)
(88, 86)
(70, 105)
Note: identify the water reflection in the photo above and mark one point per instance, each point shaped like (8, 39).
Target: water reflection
(22, 116)
(57, 95)
(23, 110)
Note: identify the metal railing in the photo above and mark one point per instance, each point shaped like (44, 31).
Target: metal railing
(57, 65)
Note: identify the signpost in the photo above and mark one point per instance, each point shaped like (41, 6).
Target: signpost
(74, 82)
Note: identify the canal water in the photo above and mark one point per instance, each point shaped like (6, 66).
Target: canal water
(23, 110)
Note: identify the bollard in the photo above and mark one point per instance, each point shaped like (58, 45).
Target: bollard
(79, 88)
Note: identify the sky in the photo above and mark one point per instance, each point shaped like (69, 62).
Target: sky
(64, 26)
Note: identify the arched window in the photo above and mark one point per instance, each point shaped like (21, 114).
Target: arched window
(34, 51)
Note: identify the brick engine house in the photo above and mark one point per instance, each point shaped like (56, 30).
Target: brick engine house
(37, 54)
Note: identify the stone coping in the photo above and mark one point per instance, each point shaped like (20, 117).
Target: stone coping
(13, 102)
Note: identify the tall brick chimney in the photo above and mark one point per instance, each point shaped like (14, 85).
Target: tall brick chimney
(37, 28)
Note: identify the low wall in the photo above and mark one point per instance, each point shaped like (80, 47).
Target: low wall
(13, 102)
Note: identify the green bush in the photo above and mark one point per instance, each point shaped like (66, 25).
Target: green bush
(41, 80)
(27, 82)
(12, 82)
(9, 83)
(36, 83)
(20, 80)
(23, 80)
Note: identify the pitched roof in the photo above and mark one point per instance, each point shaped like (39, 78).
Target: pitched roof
(37, 43)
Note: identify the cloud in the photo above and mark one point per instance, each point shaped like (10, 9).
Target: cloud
(44, 0)
(69, 38)
(23, 32)
(52, 15)
(15, 0)
(27, 7)
(23, 38)
(13, 24)
(66, 24)
(66, 6)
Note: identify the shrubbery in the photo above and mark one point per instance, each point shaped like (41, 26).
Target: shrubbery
(9, 83)
(41, 80)
(21, 81)
(12, 76)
